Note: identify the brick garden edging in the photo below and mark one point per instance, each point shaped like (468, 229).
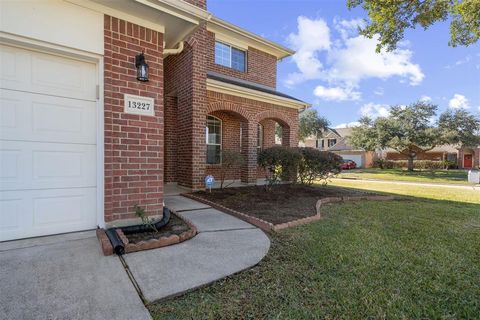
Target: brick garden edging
(149, 244)
(269, 227)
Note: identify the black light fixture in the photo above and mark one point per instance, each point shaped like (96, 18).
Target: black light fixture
(142, 67)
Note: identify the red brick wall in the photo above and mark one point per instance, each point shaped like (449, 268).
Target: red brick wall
(230, 141)
(171, 139)
(261, 66)
(133, 143)
(199, 3)
(185, 79)
(244, 110)
(420, 156)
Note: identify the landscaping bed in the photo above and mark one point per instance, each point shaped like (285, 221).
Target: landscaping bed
(175, 226)
(283, 204)
(177, 230)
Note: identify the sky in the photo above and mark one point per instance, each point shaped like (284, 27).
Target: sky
(338, 71)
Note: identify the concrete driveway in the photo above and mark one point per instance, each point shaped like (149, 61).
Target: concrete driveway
(65, 277)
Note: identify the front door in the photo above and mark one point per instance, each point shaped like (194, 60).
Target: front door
(467, 161)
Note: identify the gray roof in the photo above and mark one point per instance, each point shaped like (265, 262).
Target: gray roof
(249, 85)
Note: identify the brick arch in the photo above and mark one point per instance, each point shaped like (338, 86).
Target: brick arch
(275, 115)
(231, 107)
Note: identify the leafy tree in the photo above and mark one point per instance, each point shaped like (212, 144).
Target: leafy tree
(460, 127)
(407, 130)
(390, 18)
(311, 124)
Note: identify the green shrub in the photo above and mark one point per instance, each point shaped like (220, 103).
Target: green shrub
(317, 165)
(417, 164)
(280, 164)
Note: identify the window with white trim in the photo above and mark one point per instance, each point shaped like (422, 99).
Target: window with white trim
(259, 137)
(213, 136)
(229, 56)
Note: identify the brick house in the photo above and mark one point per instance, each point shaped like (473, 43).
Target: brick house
(336, 141)
(83, 138)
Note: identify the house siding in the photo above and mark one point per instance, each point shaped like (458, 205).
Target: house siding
(133, 144)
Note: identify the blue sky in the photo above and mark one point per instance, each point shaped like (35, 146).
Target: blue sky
(338, 71)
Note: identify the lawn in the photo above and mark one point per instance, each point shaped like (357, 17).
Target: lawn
(416, 257)
(433, 176)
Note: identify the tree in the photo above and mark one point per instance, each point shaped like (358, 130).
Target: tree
(460, 127)
(311, 124)
(390, 18)
(407, 130)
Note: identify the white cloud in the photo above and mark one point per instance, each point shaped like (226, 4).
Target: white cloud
(373, 110)
(379, 91)
(346, 60)
(347, 125)
(313, 37)
(425, 98)
(458, 101)
(337, 93)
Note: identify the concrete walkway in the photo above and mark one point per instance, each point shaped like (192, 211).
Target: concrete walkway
(67, 277)
(225, 245)
(426, 184)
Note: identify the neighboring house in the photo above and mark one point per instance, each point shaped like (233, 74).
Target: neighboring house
(465, 158)
(83, 138)
(336, 140)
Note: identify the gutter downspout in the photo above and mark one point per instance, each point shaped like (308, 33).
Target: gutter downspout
(179, 49)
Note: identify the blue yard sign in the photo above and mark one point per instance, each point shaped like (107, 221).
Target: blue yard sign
(209, 181)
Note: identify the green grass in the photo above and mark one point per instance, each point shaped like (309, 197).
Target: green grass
(415, 257)
(434, 176)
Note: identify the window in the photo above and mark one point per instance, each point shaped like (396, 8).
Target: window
(229, 56)
(323, 144)
(213, 136)
(332, 142)
(259, 137)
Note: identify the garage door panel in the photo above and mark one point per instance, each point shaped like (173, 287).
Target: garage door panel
(32, 71)
(33, 165)
(355, 157)
(30, 213)
(34, 117)
(48, 136)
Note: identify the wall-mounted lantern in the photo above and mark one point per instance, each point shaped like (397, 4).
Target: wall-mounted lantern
(142, 67)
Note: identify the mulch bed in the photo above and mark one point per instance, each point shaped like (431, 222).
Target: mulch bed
(175, 226)
(283, 204)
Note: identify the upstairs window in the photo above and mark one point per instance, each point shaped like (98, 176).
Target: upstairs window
(332, 142)
(213, 136)
(229, 56)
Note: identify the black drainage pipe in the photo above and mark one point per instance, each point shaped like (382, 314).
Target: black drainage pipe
(117, 243)
(139, 228)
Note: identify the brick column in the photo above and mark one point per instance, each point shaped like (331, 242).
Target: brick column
(133, 143)
(249, 149)
(476, 158)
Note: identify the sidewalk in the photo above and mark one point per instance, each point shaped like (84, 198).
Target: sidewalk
(427, 184)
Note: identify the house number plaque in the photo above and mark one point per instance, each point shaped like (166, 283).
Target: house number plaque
(139, 105)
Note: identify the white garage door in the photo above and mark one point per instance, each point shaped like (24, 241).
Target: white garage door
(47, 144)
(355, 157)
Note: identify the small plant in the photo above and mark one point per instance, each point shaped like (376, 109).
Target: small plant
(140, 212)
(230, 160)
